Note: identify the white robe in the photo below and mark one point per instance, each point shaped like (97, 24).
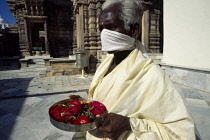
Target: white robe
(141, 90)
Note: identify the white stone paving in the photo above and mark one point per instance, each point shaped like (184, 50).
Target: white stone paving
(25, 99)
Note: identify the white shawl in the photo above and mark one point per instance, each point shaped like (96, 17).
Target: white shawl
(141, 90)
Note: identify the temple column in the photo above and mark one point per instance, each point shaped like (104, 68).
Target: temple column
(86, 37)
(46, 38)
(80, 28)
(98, 11)
(145, 29)
(92, 24)
(27, 43)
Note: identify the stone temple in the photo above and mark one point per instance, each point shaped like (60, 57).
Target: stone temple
(58, 28)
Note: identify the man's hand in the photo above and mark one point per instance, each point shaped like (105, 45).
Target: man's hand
(74, 97)
(113, 125)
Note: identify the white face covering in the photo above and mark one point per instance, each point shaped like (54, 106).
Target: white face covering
(115, 41)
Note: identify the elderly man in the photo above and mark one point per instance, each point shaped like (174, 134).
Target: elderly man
(142, 102)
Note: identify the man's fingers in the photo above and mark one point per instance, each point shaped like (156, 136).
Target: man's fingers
(98, 122)
(106, 121)
(103, 115)
(110, 135)
(102, 121)
(107, 129)
(74, 96)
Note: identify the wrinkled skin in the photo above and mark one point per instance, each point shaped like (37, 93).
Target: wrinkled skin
(112, 125)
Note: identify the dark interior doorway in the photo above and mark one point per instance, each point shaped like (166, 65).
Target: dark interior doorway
(37, 37)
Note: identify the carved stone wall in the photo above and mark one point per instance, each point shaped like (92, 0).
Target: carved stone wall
(91, 41)
(60, 27)
(9, 46)
(152, 25)
(44, 26)
(151, 35)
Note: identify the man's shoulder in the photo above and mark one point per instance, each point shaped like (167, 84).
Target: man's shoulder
(154, 69)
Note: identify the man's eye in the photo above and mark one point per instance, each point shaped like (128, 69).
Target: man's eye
(112, 27)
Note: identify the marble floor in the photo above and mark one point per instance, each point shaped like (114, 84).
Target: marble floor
(25, 99)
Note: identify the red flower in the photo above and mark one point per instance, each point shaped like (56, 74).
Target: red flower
(60, 113)
(99, 108)
(82, 120)
(67, 114)
(71, 121)
(75, 109)
(77, 112)
(75, 102)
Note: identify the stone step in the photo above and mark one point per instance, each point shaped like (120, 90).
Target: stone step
(37, 61)
(36, 65)
(157, 58)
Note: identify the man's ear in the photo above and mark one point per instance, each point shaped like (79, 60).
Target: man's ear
(135, 29)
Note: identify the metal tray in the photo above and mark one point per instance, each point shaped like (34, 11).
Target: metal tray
(69, 127)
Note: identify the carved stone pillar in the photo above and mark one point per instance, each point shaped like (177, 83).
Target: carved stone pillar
(145, 29)
(98, 11)
(46, 38)
(27, 43)
(92, 23)
(80, 28)
(86, 37)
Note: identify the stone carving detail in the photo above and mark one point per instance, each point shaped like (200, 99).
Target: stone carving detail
(45, 26)
(60, 27)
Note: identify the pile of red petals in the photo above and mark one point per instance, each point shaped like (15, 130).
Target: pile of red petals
(77, 112)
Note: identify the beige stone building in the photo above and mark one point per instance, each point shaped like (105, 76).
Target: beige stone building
(58, 28)
(8, 39)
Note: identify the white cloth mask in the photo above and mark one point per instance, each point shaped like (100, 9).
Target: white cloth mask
(115, 41)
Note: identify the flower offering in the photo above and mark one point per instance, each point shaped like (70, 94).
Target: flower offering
(76, 112)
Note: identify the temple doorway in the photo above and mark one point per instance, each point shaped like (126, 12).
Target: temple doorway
(37, 38)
